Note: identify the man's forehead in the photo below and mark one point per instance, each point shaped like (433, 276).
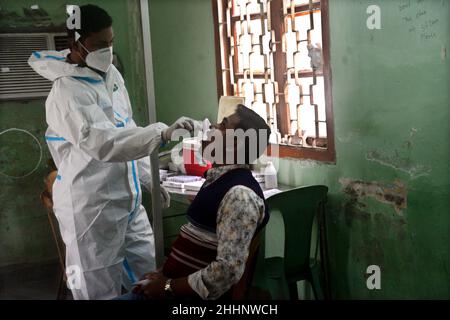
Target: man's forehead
(233, 118)
(227, 106)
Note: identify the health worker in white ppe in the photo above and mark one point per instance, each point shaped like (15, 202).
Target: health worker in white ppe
(102, 157)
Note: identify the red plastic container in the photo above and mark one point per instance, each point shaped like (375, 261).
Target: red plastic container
(194, 164)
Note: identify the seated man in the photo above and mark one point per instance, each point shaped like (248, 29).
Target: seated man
(210, 253)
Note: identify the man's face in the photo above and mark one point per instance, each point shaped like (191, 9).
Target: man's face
(228, 123)
(95, 41)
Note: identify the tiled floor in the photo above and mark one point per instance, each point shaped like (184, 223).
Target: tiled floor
(30, 282)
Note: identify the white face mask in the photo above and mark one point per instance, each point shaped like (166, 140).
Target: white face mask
(100, 59)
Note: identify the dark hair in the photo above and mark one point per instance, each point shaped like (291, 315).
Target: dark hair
(93, 19)
(249, 119)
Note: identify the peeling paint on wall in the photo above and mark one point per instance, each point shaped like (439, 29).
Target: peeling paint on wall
(394, 194)
(400, 159)
(399, 163)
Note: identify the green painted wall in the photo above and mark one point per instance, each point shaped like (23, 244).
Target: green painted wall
(389, 190)
(391, 105)
(25, 234)
(183, 59)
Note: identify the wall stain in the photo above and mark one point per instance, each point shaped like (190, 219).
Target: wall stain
(367, 249)
(400, 159)
(398, 162)
(370, 250)
(394, 194)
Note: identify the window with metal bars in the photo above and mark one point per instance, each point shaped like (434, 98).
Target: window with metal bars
(17, 79)
(275, 54)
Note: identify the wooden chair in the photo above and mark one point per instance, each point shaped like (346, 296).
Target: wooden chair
(240, 291)
(46, 199)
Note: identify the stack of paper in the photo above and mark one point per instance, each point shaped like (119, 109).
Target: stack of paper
(194, 186)
(270, 192)
(191, 183)
(171, 184)
(183, 179)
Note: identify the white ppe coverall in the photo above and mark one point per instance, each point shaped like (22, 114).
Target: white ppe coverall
(97, 195)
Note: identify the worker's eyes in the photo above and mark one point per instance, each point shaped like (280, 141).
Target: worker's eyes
(103, 45)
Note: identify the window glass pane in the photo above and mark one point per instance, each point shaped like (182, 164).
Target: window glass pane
(249, 49)
(303, 2)
(256, 57)
(255, 96)
(301, 59)
(303, 23)
(260, 108)
(322, 130)
(248, 6)
(249, 89)
(293, 95)
(307, 120)
(289, 43)
(316, 33)
(295, 39)
(319, 98)
(250, 65)
(269, 92)
(293, 100)
(305, 83)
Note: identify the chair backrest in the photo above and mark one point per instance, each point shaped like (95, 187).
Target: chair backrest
(298, 208)
(240, 289)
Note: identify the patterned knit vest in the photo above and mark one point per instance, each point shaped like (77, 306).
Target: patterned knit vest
(190, 253)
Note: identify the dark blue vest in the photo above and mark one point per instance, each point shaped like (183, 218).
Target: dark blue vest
(203, 210)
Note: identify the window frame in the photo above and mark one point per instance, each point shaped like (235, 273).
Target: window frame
(286, 151)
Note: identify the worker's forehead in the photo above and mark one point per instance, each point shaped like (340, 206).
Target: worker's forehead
(105, 35)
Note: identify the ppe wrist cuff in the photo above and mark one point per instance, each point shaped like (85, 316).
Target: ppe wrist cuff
(164, 137)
